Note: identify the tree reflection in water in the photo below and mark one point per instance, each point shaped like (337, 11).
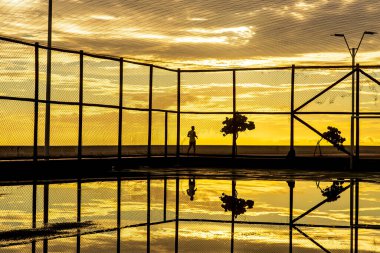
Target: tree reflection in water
(332, 192)
(234, 204)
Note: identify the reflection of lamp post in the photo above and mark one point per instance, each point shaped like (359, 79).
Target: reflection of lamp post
(353, 51)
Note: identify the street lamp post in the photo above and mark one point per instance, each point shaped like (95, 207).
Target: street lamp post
(353, 51)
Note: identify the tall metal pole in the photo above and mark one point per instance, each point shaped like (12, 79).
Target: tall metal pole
(120, 133)
(150, 111)
(36, 94)
(80, 116)
(352, 109)
(234, 112)
(291, 184)
(176, 214)
(292, 152)
(357, 133)
(148, 217)
(233, 216)
(48, 81)
(118, 246)
(352, 215)
(34, 213)
(165, 196)
(356, 216)
(46, 214)
(166, 134)
(79, 211)
(178, 111)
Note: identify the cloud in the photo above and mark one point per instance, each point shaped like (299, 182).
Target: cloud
(211, 32)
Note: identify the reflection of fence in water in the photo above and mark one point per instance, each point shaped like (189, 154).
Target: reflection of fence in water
(150, 193)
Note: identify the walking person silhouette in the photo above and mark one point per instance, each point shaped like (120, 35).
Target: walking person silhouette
(192, 142)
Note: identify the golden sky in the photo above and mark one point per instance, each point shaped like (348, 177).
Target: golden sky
(213, 33)
(187, 35)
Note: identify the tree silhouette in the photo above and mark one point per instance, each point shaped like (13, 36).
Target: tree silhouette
(238, 123)
(333, 136)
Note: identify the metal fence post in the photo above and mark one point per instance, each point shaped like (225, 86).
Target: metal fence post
(234, 153)
(357, 134)
(291, 184)
(34, 213)
(118, 214)
(165, 196)
(120, 133)
(292, 152)
(150, 111)
(36, 94)
(166, 134)
(148, 217)
(79, 210)
(48, 81)
(356, 216)
(80, 116)
(233, 185)
(176, 214)
(178, 112)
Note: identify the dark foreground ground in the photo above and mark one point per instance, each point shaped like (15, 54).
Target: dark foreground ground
(200, 166)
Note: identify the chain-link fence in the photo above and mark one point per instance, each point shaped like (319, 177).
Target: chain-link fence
(100, 106)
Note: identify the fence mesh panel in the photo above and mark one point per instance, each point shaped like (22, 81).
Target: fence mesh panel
(101, 81)
(136, 86)
(206, 91)
(16, 207)
(200, 235)
(64, 130)
(263, 90)
(158, 133)
(270, 137)
(17, 70)
(99, 203)
(135, 132)
(368, 193)
(172, 133)
(164, 89)
(63, 203)
(369, 91)
(65, 77)
(133, 202)
(310, 82)
(100, 131)
(17, 122)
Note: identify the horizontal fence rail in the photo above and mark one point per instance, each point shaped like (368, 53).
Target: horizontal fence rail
(105, 106)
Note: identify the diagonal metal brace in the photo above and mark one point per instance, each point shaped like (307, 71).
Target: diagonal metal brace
(318, 205)
(312, 240)
(324, 91)
(319, 133)
(370, 77)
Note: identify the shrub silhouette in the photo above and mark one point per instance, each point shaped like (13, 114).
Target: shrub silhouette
(333, 136)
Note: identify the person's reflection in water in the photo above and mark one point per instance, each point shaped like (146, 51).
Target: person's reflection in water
(191, 191)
